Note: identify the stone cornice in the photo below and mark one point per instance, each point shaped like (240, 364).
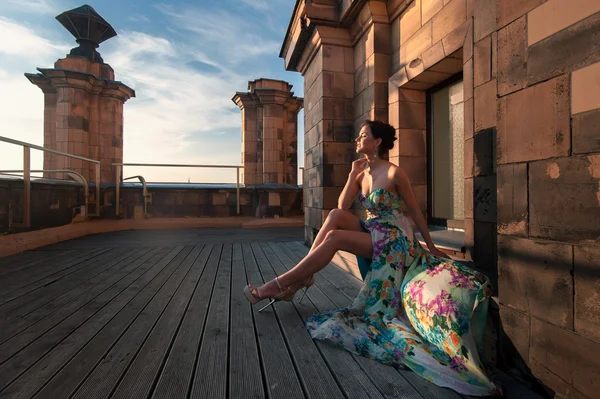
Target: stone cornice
(244, 100)
(272, 96)
(372, 12)
(313, 24)
(295, 104)
(323, 35)
(41, 81)
(55, 77)
(397, 7)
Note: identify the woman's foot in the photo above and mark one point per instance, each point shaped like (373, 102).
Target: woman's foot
(275, 291)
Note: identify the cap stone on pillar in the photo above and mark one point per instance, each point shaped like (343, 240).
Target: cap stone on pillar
(83, 112)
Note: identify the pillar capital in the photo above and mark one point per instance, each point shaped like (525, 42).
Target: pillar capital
(245, 100)
(272, 96)
(53, 78)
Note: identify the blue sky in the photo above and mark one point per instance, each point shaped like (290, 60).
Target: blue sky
(185, 59)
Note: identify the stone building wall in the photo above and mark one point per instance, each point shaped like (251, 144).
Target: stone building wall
(531, 149)
(548, 152)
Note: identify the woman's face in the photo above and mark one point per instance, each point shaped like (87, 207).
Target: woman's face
(365, 142)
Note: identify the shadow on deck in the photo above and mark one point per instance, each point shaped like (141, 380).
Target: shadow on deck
(161, 314)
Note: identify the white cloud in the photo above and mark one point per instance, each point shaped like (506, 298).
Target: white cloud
(26, 44)
(182, 113)
(260, 5)
(179, 110)
(139, 18)
(231, 38)
(21, 103)
(35, 6)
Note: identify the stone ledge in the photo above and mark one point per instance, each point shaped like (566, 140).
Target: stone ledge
(15, 243)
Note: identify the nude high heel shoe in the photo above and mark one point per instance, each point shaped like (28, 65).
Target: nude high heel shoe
(285, 294)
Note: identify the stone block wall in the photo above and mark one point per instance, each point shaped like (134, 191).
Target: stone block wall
(548, 110)
(328, 124)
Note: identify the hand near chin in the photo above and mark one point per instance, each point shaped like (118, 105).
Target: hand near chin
(359, 165)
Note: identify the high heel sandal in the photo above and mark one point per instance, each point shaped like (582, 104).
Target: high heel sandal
(306, 286)
(286, 294)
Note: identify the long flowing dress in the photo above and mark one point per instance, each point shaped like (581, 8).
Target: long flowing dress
(413, 309)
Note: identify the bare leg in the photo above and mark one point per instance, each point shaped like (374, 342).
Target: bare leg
(355, 242)
(337, 219)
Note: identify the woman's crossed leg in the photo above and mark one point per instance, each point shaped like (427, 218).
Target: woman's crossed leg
(340, 232)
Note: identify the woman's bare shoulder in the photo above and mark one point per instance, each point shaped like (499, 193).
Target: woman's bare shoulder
(394, 170)
(398, 175)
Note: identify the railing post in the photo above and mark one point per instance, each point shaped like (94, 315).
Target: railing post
(98, 200)
(118, 188)
(27, 186)
(237, 185)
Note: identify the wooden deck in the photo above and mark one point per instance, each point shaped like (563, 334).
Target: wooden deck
(161, 314)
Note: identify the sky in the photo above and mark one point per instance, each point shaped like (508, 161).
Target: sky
(184, 59)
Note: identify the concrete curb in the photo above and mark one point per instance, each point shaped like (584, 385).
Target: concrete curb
(11, 244)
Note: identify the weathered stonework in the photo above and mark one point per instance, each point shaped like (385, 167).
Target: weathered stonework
(83, 115)
(564, 199)
(535, 123)
(531, 147)
(269, 132)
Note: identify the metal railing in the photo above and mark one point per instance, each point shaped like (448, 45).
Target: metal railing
(145, 193)
(27, 176)
(119, 174)
(77, 176)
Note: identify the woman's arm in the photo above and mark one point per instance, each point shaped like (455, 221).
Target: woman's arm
(405, 190)
(351, 188)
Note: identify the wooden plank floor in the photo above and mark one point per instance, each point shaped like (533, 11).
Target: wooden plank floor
(161, 314)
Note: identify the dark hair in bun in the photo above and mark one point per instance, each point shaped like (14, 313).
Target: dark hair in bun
(383, 131)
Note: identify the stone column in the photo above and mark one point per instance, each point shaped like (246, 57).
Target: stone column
(272, 137)
(87, 118)
(290, 141)
(372, 62)
(49, 127)
(249, 138)
(328, 124)
(83, 104)
(269, 131)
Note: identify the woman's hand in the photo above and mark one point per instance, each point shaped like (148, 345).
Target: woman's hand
(440, 254)
(358, 166)
(352, 186)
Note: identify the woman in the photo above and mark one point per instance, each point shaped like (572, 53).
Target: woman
(415, 308)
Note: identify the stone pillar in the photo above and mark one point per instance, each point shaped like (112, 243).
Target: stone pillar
(269, 132)
(328, 123)
(290, 141)
(249, 139)
(49, 127)
(83, 105)
(371, 64)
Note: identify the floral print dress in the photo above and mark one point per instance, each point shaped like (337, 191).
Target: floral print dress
(413, 309)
